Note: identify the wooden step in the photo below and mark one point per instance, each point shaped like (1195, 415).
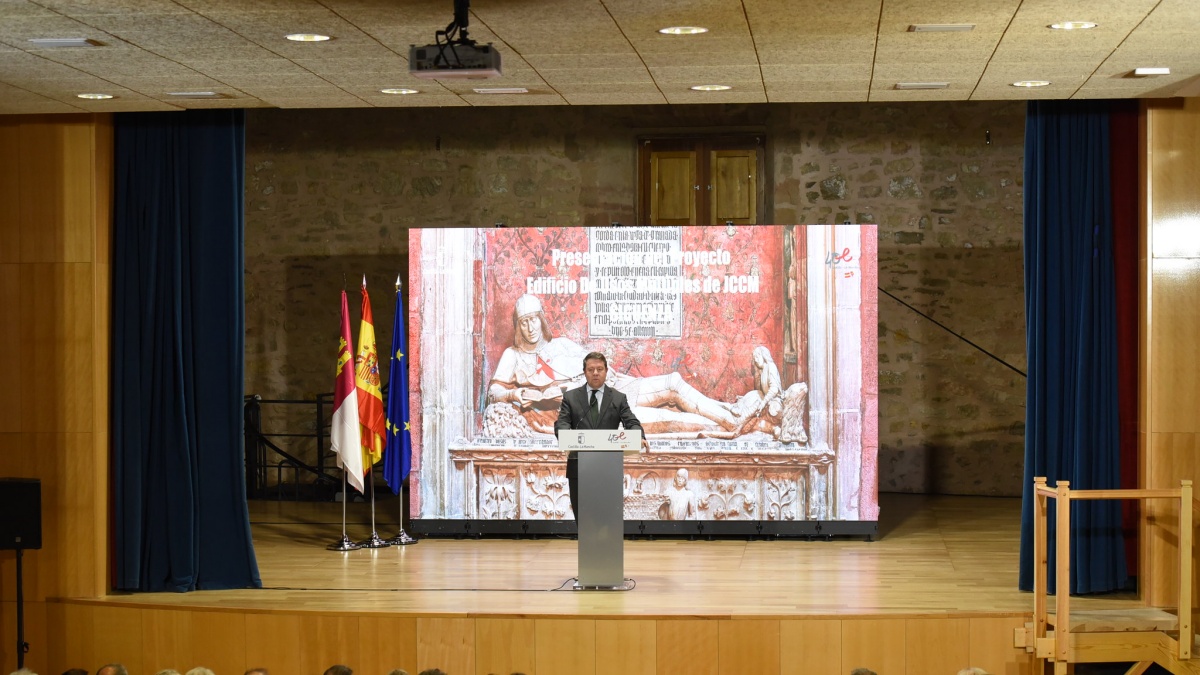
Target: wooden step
(1140, 619)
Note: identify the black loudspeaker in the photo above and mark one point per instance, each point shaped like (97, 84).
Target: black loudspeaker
(20, 513)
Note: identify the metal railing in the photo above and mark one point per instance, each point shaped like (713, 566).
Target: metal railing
(264, 453)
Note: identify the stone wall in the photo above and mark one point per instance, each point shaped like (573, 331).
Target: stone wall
(330, 194)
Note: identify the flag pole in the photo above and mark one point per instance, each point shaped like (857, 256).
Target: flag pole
(345, 417)
(373, 541)
(372, 421)
(344, 544)
(402, 538)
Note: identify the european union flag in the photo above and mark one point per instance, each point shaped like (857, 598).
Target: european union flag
(397, 456)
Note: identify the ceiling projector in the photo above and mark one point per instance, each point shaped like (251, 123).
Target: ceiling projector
(454, 61)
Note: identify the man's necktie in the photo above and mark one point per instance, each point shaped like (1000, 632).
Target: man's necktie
(594, 412)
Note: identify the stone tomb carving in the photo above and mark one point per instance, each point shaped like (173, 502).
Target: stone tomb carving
(721, 480)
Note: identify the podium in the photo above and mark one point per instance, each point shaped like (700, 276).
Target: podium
(601, 517)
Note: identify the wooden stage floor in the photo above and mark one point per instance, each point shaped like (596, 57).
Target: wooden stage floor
(935, 593)
(936, 556)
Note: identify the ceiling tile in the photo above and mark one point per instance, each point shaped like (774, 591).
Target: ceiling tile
(530, 99)
(616, 99)
(586, 52)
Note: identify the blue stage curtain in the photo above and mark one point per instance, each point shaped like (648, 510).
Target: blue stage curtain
(179, 491)
(1071, 425)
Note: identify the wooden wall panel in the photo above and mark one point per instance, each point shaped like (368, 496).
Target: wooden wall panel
(273, 642)
(878, 644)
(1171, 455)
(102, 191)
(687, 647)
(12, 362)
(448, 644)
(1176, 389)
(1173, 153)
(231, 641)
(936, 645)
(69, 636)
(566, 646)
(56, 175)
(58, 201)
(166, 639)
(991, 647)
(504, 645)
(10, 190)
(1170, 284)
(326, 641)
(386, 643)
(748, 646)
(38, 658)
(218, 642)
(810, 647)
(626, 647)
(182, 639)
(70, 537)
(116, 637)
(57, 303)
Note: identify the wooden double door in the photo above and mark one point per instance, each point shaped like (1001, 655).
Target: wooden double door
(700, 180)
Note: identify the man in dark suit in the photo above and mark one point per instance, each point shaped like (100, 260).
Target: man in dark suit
(593, 406)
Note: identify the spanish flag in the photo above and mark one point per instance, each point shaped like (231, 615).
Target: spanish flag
(343, 433)
(370, 395)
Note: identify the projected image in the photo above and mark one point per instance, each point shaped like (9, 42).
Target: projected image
(747, 353)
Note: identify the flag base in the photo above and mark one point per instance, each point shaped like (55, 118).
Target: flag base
(402, 539)
(344, 544)
(374, 541)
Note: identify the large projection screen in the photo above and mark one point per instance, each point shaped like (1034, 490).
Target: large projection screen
(748, 353)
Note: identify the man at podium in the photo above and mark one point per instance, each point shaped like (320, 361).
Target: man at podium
(593, 406)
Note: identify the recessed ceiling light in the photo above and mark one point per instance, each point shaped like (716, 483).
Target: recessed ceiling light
(1072, 25)
(1031, 83)
(502, 90)
(1147, 72)
(307, 37)
(95, 97)
(922, 85)
(683, 30)
(196, 94)
(52, 43)
(398, 90)
(711, 87)
(940, 27)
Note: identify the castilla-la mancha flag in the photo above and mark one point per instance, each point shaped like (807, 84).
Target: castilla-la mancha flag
(370, 394)
(343, 433)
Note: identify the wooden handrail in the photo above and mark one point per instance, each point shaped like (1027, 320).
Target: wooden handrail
(1062, 492)
(1161, 493)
